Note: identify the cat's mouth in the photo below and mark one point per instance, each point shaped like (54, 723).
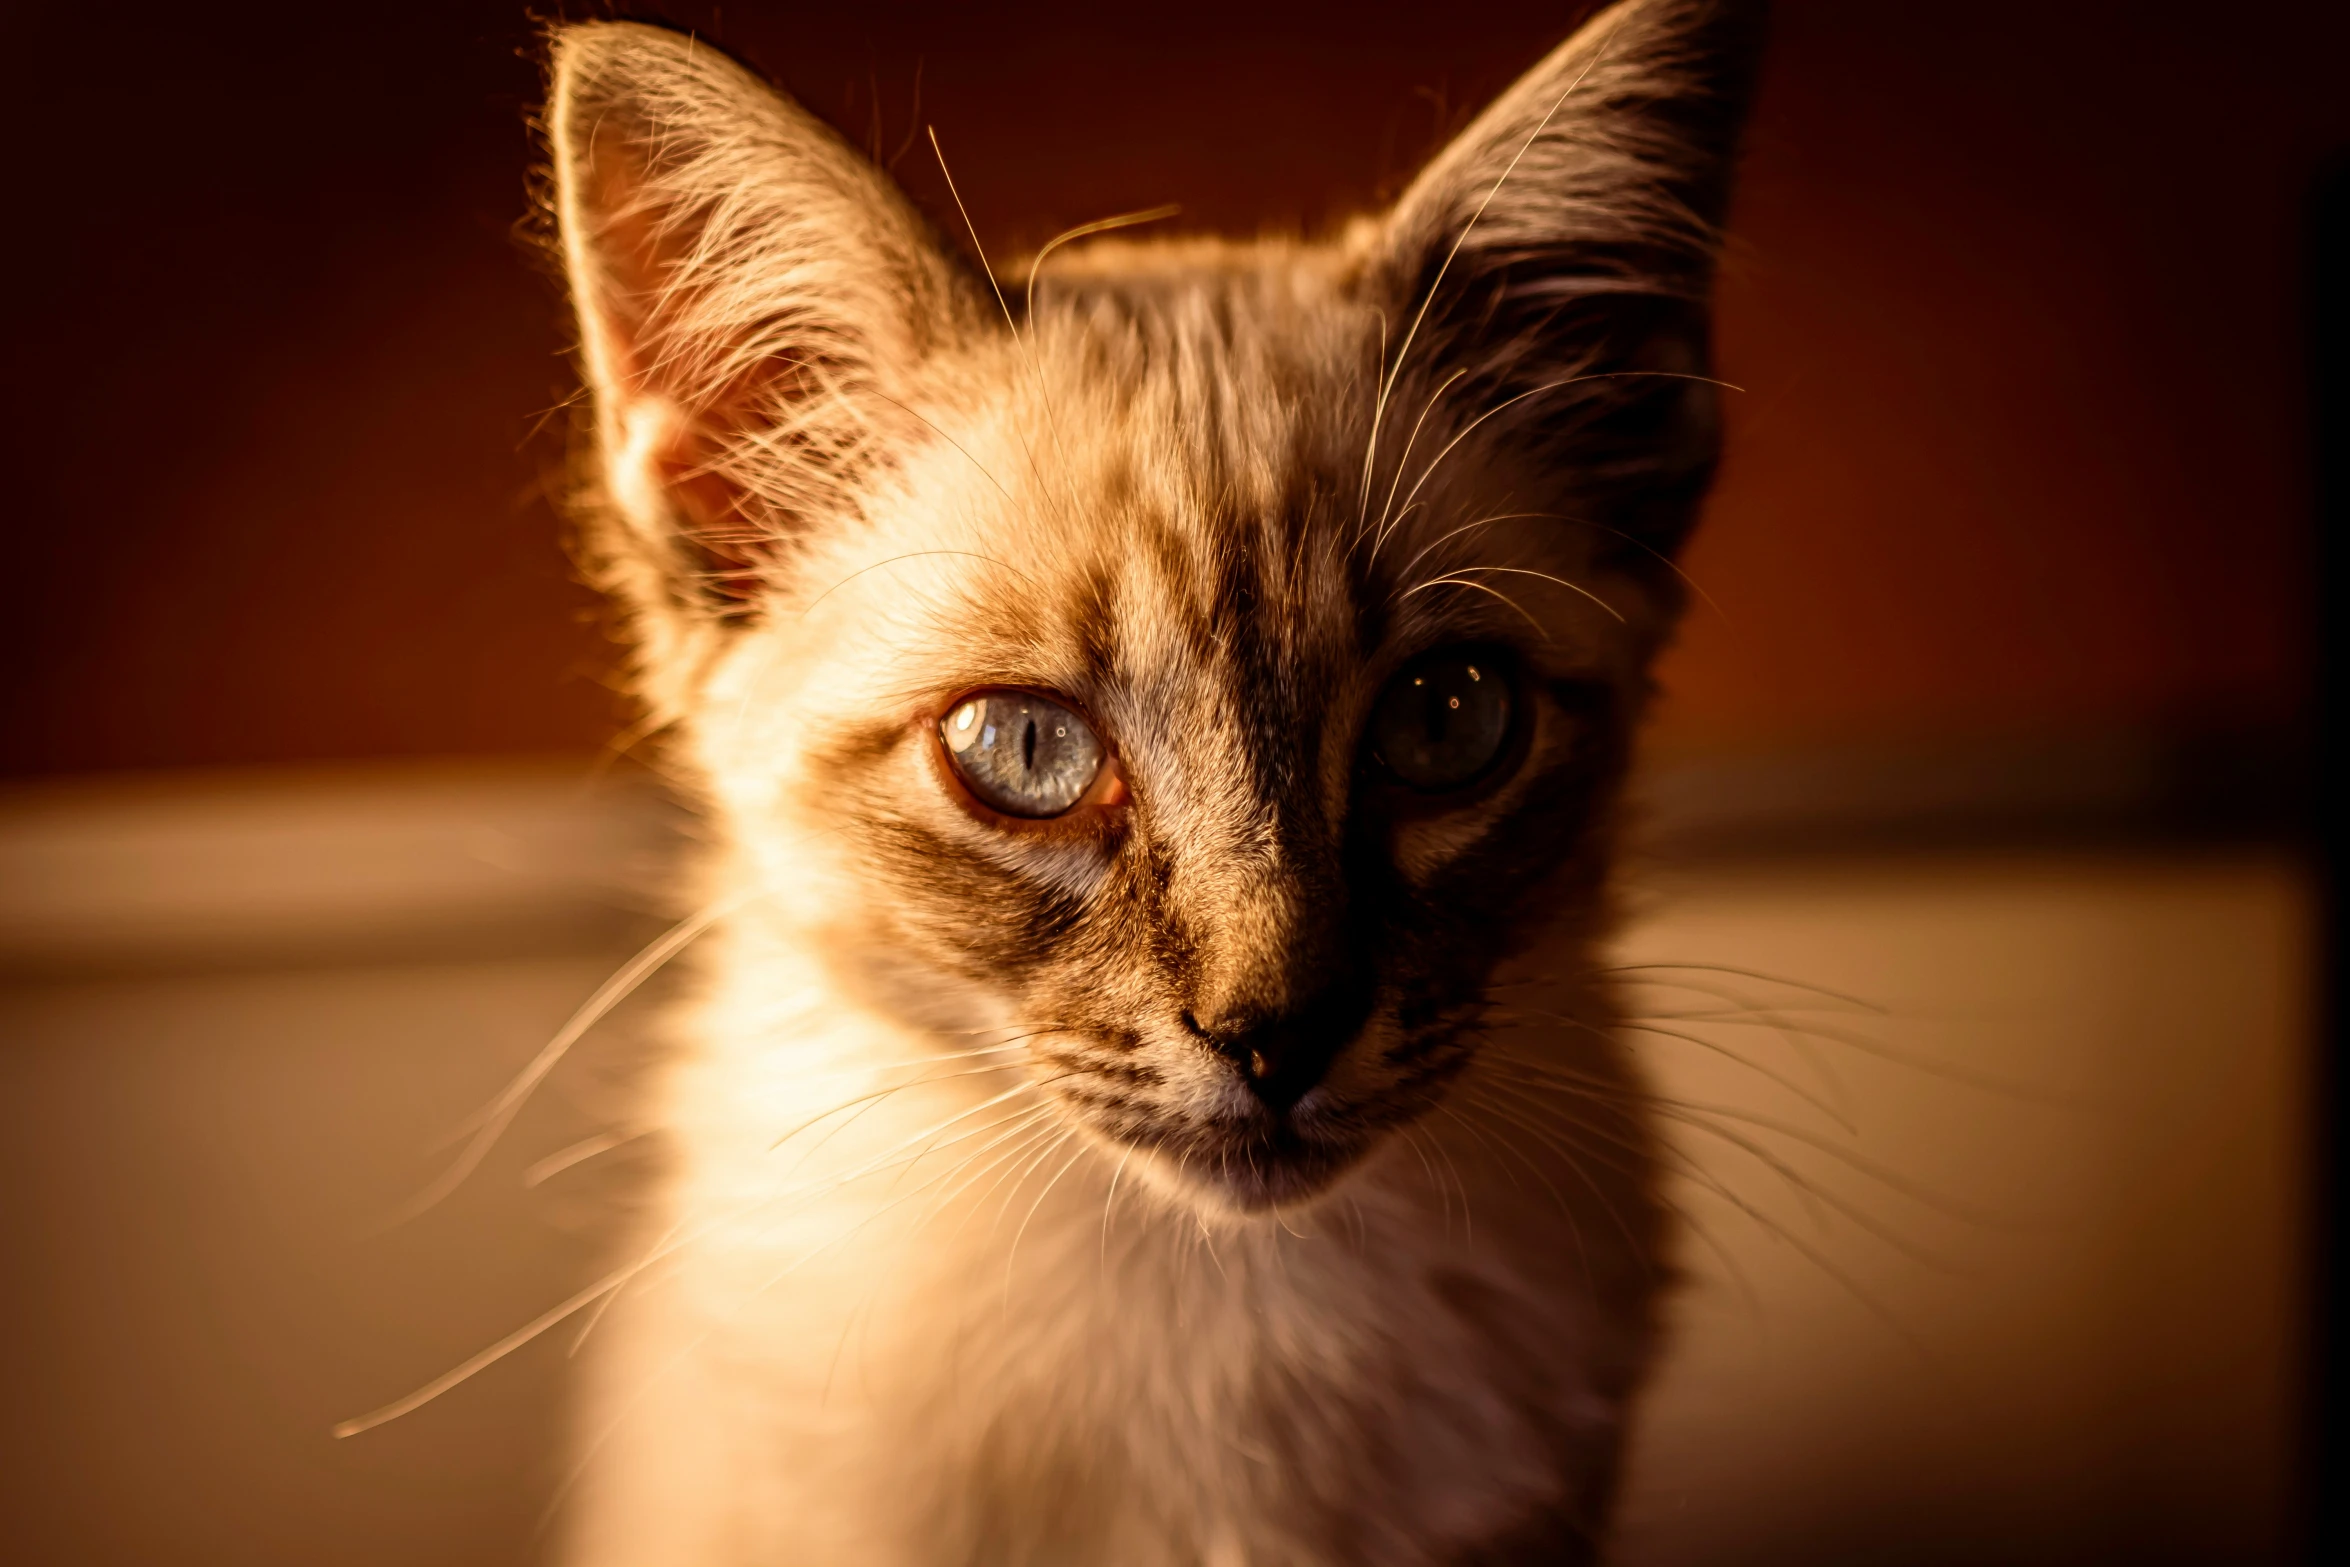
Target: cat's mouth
(1222, 1143)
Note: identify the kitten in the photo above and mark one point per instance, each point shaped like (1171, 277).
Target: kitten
(1149, 1098)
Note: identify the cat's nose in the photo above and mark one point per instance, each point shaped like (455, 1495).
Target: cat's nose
(1283, 1055)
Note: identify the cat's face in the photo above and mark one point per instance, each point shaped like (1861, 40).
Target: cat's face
(1162, 750)
(1206, 670)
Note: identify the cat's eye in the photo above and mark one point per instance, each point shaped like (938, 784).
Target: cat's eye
(1021, 753)
(1444, 720)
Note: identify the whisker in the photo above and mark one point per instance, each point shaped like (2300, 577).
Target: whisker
(842, 1238)
(475, 1364)
(868, 1100)
(1025, 342)
(1468, 1219)
(1016, 1129)
(1667, 1152)
(1817, 1258)
(1573, 1153)
(1012, 1255)
(1915, 1191)
(1574, 1082)
(926, 1137)
(1371, 446)
(579, 1153)
(554, 1315)
(1023, 1138)
(597, 1312)
(1788, 1083)
(1087, 231)
(1574, 1226)
(1535, 391)
(1405, 456)
(910, 555)
(1641, 1156)
(1462, 582)
(1025, 1170)
(1109, 1197)
(492, 1121)
(1479, 522)
(1411, 1139)
(951, 441)
(1454, 577)
(1803, 1041)
(1664, 560)
(1813, 1192)
(1966, 1077)
(1741, 973)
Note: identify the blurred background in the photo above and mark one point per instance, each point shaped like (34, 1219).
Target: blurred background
(1980, 801)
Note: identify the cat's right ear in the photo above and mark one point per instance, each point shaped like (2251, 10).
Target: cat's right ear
(752, 297)
(1551, 271)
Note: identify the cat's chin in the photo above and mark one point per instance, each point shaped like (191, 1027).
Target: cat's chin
(1267, 1186)
(1247, 1169)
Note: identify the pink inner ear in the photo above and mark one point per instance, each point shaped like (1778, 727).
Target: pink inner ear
(732, 531)
(729, 546)
(722, 534)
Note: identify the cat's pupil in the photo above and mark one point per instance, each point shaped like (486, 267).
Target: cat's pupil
(1021, 753)
(1443, 723)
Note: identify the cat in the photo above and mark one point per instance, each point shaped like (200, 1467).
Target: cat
(1148, 1095)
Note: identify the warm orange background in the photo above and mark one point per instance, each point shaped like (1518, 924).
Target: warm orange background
(2016, 292)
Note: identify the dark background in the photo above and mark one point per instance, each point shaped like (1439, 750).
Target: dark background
(2016, 292)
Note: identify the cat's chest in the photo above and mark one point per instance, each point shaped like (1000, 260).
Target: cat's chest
(1098, 1350)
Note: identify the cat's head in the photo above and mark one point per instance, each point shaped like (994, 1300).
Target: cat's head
(1202, 661)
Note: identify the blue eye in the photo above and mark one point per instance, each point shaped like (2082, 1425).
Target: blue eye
(1023, 754)
(1443, 722)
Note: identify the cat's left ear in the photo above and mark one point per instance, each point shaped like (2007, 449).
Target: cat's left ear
(1555, 263)
(754, 299)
